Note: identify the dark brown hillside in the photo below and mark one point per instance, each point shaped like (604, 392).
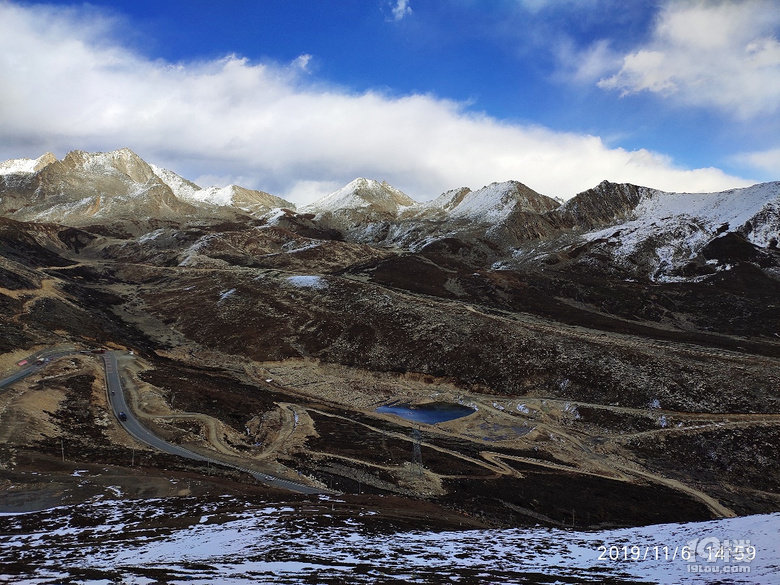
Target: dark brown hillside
(630, 375)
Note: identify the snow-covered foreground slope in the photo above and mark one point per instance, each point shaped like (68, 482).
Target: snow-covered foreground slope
(234, 542)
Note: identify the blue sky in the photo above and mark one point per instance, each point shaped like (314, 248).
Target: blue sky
(298, 97)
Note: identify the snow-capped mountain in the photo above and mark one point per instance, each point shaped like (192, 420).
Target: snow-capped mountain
(116, 185)
(492, 204)
(249, 200)
(24, 166)
(85, 186)
(363, 210)
(371, 212)
(362, 194)
(738, 210)
(639, 231)
(498, 201)
(668, 232)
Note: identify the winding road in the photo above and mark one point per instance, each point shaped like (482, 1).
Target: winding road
(131, 424)
(35, 364)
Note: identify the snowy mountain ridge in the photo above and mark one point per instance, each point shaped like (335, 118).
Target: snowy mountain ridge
(678, 226)
(662, 233)
(366, 194)
(731, 210)
(231, 195)
(496, 202)
(26, 165)
(116, 185)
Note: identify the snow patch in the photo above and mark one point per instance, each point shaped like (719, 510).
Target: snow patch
(274, 216)
(225, 295)
(307, 281)
(192, 252)
(273, 544)
(293, 246)
(151, 236)
(18, 165)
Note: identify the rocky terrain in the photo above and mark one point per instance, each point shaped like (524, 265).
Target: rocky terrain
(621, 350)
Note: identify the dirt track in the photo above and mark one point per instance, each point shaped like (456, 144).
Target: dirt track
(508, 438)
(574, 453)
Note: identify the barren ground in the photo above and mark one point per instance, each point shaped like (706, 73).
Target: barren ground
(584, 413)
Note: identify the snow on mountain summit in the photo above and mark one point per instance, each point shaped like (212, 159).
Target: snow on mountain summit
(671, 229)
(181, 187)
(363, 194)
(734, 207)
(232, 195)
(119, 184)
(123, 164)
(26, 165)
(730, 210)
(497, 201)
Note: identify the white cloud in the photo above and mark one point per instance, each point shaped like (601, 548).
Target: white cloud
(723, 55)
(209, 180)
(305, 192)
(65, 84)
(401, 9)
(767, 161)
(536, 6)
(302, 62)
(586, 66)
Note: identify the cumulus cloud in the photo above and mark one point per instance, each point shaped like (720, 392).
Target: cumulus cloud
(401, 9)
(66, 84)
(722, 55)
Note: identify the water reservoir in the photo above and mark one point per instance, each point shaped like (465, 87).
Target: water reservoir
(431, 413)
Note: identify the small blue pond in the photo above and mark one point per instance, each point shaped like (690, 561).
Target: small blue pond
(432, 413)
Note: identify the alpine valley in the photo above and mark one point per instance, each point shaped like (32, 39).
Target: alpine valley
(605, 363)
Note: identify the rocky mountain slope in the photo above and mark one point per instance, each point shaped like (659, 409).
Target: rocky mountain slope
(366, 194)
(642, 232)
(249, 200)
(621, 349)
(116, 188)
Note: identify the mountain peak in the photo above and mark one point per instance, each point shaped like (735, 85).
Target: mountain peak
(232, 195)
(362, 193)
(26, 165)
(603, 204)
(496, 202)
(123, 161)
